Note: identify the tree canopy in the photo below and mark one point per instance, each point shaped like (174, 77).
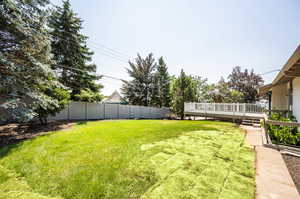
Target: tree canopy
(25, 60)
(183, 90)
(139, 90)
(245, 82)
(72, 55)
(162, 81)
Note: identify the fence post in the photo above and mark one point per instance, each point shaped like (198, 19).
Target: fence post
(85, 110)
(244, 108)
(118, 110)
(104, 111)
(69, 111)
(129, 111)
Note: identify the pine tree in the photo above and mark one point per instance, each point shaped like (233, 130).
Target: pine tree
(162, 82)
(139, 90)
(183, 90)
(72, 55)
(25, 60)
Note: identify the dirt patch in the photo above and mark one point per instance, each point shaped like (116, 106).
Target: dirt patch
(293, 165)
(13, 133)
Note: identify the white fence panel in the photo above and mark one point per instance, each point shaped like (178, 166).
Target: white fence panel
(77, 111)
(62, 115)
(124, 112)
(94, 111)
(111, 111)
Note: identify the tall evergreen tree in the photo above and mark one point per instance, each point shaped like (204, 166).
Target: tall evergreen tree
(162, 85)
(183, 90)
(72, 55)
(139, 91)
(25, 60)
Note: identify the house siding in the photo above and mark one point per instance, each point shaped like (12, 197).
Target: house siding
(296, 98)
(280, 97)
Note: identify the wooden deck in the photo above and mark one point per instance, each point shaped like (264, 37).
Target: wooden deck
(224, 110)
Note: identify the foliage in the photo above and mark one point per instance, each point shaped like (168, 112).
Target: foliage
(162, 85)
(203, 89)
(245, 82)
(109, 160)
(71, 53)
(183, 90)
(58, 98)
(86, 95)
(222, 93)
(139, 91)
(25, 59)
(283, 134)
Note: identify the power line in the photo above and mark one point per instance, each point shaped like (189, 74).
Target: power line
(113, 56)
(271, 71)
(101, 75)
(110, 52)
(110, 49)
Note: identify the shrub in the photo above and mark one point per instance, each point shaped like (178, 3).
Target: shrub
(284, 134)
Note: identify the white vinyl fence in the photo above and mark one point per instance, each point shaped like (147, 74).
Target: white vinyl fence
(97, 111)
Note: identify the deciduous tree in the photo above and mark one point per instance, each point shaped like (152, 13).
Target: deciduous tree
(245, 82)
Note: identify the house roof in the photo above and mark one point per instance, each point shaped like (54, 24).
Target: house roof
(289, 71)
(115, 97)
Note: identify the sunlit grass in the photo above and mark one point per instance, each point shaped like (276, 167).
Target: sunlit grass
(133, 159)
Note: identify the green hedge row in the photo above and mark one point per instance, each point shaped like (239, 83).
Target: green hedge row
(283, 134)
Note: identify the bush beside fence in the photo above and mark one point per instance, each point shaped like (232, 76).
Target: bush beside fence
(98, 111)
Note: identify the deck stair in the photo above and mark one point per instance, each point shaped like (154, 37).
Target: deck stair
(251, 122)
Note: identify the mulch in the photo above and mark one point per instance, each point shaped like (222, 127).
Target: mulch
(14, 133)
(293, 165)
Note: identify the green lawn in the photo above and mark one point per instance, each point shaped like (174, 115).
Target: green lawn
(147, 159)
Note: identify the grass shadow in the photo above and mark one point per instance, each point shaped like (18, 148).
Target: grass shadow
(12, 134)
(81, 123)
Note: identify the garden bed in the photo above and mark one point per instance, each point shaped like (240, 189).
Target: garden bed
(14, 133)
(293, 165)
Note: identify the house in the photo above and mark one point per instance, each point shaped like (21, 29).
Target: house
(114, 98)
(284, 92)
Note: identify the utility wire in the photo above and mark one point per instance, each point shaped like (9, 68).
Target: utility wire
(271, 71)
(101, 75)
(108, 50)
(106, 53)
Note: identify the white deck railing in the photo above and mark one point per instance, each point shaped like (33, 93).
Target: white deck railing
(223, 108)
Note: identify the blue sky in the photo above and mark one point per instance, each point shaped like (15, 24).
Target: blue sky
(206, 38)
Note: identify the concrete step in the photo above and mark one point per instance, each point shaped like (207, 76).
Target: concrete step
(252, 121)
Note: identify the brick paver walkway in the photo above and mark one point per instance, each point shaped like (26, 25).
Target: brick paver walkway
(273, 180)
